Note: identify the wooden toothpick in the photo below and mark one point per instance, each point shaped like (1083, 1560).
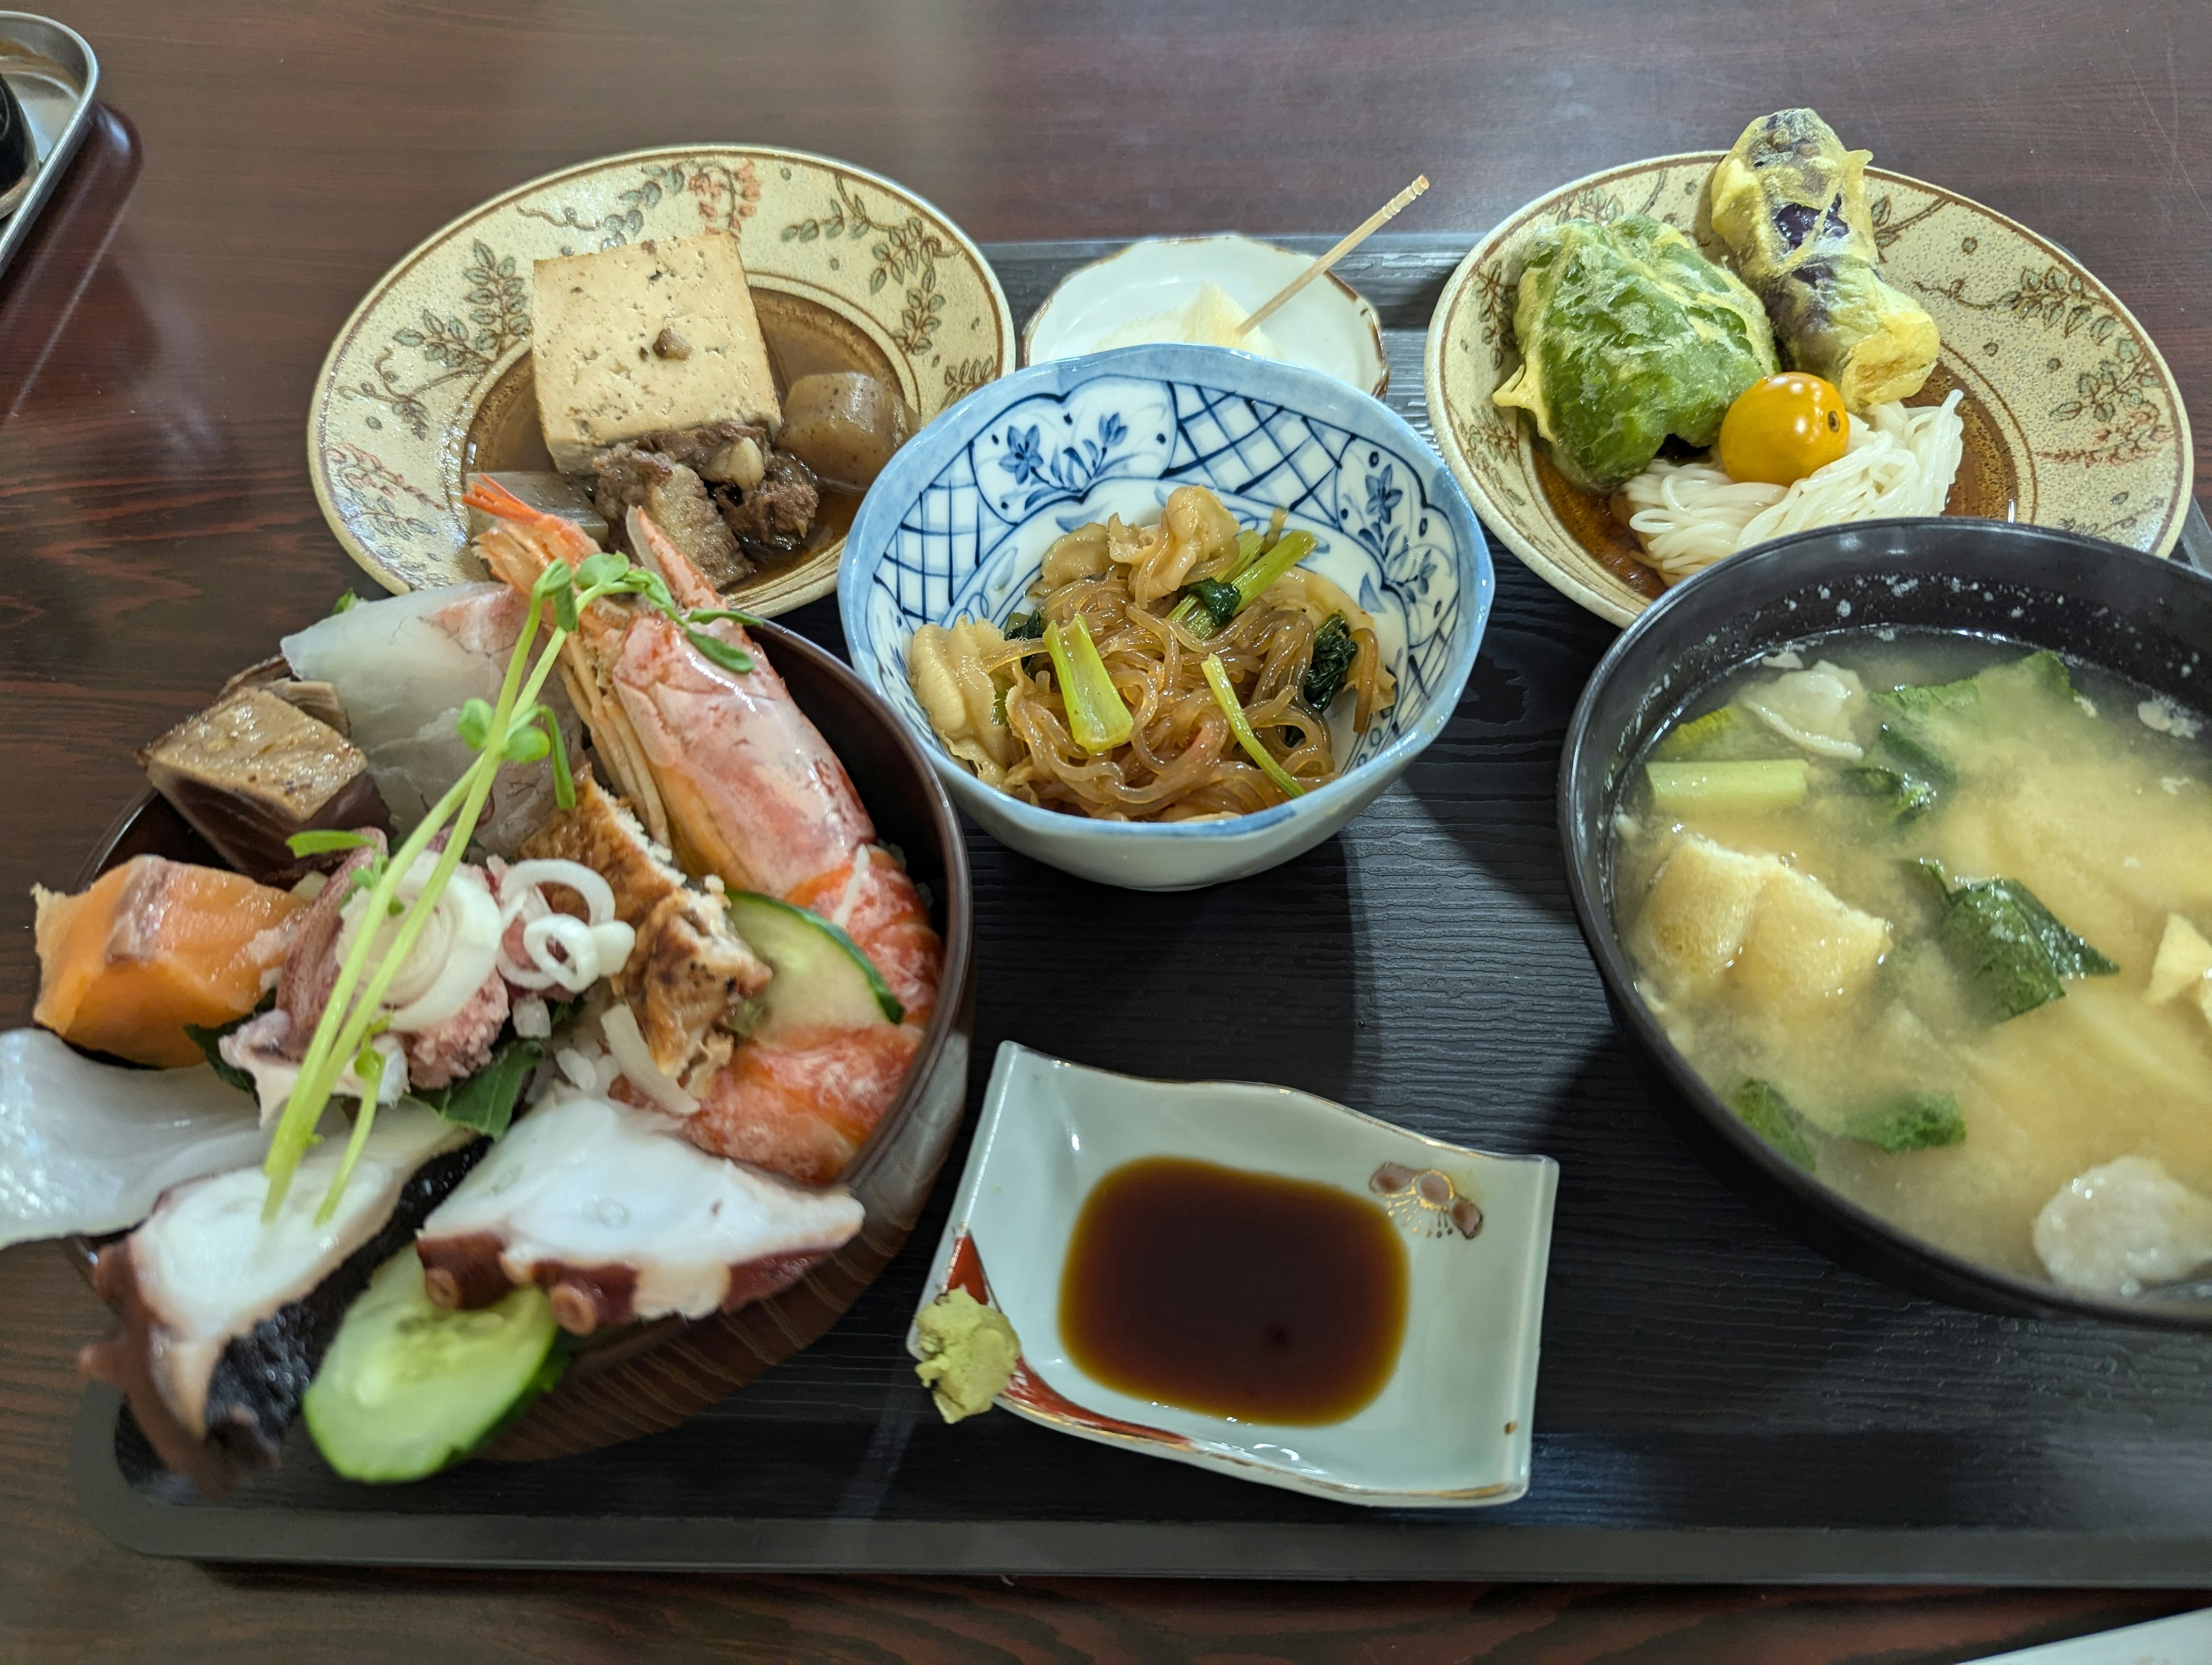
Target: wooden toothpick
(1373, 223)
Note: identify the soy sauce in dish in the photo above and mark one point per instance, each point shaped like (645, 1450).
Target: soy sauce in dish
(1240, 1294)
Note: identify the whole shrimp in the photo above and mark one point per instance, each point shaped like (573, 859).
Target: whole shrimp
(724, 768)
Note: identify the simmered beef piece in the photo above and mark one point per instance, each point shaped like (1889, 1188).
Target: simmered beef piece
(671, 492)
(711, 450)
(775, 516)
(721, 491)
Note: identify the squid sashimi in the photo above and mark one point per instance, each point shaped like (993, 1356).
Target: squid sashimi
(86, 1146)
(155, 945)
(722, 765)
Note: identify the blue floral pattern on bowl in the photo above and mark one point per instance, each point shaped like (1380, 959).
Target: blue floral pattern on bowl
(959, 523)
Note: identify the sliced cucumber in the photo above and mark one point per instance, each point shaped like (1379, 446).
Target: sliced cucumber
(822, 977)
(409, 1386)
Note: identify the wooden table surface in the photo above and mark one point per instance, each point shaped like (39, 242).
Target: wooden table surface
(265, 163)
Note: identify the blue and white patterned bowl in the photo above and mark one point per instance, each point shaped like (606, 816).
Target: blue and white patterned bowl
(959, 522)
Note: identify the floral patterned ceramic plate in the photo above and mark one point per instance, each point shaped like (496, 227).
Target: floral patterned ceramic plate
(430, 377)
(2072, 418)
(1450, 1427)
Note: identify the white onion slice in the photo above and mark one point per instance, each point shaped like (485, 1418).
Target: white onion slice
(599, 896)
(576, 968)
(591, 948)
(627, 1042)
(471, 918)
(455, 952)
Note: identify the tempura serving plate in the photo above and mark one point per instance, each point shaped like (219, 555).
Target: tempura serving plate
(429, 379)
(1452, 1424)
(2072, 419)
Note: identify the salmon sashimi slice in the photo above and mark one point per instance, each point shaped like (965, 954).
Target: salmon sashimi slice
(802, 1106)
(155, 945)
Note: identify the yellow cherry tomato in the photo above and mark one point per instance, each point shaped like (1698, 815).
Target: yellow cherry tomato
(1781, 429)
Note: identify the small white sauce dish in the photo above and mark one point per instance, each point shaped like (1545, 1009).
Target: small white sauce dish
(1449, 1428)
(1328, 326)
(958, 523)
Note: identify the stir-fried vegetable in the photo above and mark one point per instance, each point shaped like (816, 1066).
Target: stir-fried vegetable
(518, 729)
(1217, 678)
(1333, 651)
(1096, 715)
(1210, 603)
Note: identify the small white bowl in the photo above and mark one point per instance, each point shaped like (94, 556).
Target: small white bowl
(1451, 1429)
(1328, 327)
(958, 523)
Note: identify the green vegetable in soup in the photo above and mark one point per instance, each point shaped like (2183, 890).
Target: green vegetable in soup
(1773, 783)
(1627, 334)
(1942, 699)
(2009, 949)
(1909, 1121)
(1905, 777)
(1761, 1106)
(1727, 734)
(2041, 675)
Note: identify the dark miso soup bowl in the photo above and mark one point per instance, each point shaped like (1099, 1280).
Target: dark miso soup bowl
(2133, 614)
(641, 1379)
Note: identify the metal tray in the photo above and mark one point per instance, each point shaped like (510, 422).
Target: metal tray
(1716, 1404)
(54, 76)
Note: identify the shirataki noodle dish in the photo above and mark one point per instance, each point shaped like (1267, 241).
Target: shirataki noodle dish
(1929, 913)
(1171, 672)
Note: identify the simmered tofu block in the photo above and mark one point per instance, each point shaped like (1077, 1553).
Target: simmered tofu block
(629, 341)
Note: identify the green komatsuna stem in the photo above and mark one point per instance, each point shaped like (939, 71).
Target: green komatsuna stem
(345, 1021)
(1217, 677)
(1250, 547)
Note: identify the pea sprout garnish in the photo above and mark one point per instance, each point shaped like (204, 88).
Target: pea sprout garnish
(519, 729)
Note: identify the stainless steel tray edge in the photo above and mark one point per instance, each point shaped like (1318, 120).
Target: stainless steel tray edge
(68, 51)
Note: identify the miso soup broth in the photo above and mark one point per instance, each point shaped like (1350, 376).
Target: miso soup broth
(1901, 898)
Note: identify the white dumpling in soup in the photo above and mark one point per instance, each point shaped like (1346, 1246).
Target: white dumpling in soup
(1816, 709)
(2122, 1227)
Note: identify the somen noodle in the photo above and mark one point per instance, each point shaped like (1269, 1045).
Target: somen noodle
(1900, 461)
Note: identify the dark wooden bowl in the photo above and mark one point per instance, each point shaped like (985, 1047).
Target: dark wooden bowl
(638, 1381)
(2144, 618)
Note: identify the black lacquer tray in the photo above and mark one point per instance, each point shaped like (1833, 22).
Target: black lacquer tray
(1717, 1403)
